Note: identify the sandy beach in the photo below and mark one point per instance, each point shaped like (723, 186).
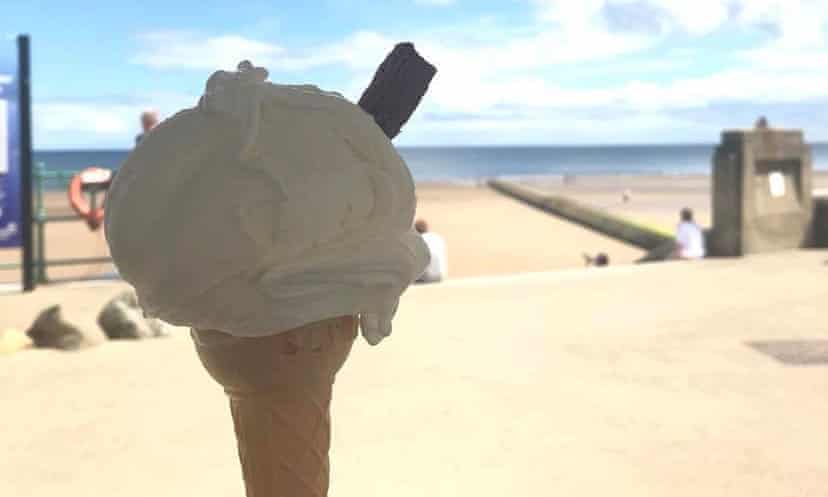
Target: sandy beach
(562, 380)
(486, 233)
(578, 383)
(582, 328)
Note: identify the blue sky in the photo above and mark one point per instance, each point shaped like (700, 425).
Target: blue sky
(510, 71)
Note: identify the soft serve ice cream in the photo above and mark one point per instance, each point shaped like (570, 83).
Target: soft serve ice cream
(264, 208)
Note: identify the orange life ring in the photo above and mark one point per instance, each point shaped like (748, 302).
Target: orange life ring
(94, 179)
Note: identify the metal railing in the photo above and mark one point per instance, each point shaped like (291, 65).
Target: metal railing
(41, 179)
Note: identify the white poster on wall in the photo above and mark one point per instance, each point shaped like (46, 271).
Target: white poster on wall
(777, 184)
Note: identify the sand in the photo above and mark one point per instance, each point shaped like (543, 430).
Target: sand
(486, 234)
(654, 200)
(629, 380)
(495, 235)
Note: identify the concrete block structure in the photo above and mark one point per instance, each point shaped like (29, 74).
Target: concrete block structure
(762, 193)
(820, 224)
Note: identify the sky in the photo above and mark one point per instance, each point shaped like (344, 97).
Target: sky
(510, 72)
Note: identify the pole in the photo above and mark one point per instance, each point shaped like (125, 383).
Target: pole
(40, 219)
(24, 75)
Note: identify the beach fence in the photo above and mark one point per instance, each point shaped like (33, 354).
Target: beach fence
(44, 180)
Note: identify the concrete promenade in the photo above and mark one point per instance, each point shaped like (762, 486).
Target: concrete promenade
(625, 381)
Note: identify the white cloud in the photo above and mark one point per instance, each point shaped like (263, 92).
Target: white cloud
(107, 122)
(181, 50)
(556, 127)
(59, 117)
(794, 20)
(184, 50)
(697, 17)
(797, 23)
(493, 81)
(361, 50)
(483, 80)
(653, 16)
(465, 69)
(534, 95)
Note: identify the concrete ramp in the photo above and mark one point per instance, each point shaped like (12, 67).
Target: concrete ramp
(659, 244)
(625, 230)
(820, 223)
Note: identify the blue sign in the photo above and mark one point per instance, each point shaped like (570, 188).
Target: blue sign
(10, 179)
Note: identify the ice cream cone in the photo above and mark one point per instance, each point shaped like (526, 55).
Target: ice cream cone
(280, 391)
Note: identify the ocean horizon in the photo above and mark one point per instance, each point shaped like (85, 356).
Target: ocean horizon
(469, 164)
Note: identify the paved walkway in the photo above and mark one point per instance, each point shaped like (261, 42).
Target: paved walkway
(627, 381)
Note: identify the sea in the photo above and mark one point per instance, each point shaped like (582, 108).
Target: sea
(466, 164)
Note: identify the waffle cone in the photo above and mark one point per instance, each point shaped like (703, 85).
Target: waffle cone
(280, 390)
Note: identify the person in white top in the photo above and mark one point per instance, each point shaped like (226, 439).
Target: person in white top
(437, 269)
(689, 237)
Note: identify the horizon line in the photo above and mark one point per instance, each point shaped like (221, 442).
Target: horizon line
(505, 145)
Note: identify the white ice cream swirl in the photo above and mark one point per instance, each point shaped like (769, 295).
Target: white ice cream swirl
(264, 208)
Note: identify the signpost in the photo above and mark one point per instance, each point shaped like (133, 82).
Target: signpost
(16, 154)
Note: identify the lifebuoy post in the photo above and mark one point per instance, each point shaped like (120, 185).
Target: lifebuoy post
(88, 183)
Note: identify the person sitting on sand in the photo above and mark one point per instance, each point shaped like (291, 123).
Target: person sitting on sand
(149, 120)
(689, 237)
(437, 268)
(600, 260)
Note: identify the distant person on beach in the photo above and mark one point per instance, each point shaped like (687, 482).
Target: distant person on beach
(600, 260)
(438, 266)
(762, 123)
(149, 120)
(689, 237)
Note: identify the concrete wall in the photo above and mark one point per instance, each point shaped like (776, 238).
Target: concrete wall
(589, 217)
(819, 228)
(762, 198)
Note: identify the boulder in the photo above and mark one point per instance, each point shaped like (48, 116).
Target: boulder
(51, 329)
(122, 317)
